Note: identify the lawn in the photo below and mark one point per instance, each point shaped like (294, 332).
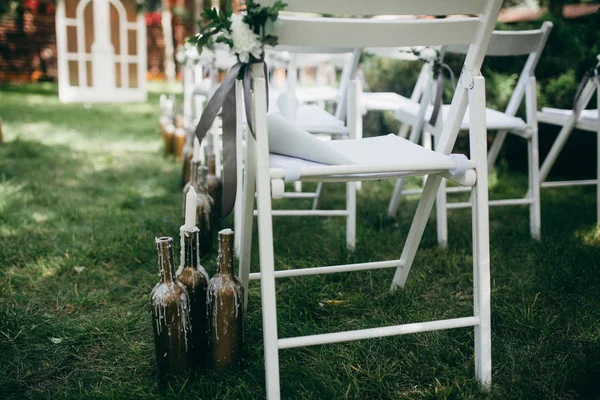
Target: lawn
(85, 189)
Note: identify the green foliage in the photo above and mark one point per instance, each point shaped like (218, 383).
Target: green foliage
(260, 19)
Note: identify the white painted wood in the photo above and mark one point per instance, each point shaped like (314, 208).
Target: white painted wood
(103, 86)
(333, 269)
(308, 213)
(503, 202)
(586, 182)
(535, 216)
(352, 33)
(569, 121)
(265, 238)
(441, 207)
(340, 337)
(567, 128)
(239, 211)
(502, 43)
(481, 251)
(512, 43)
(385, 7)
(475, 31)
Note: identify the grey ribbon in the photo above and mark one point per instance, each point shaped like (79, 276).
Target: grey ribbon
(224, 98)
(437, 104)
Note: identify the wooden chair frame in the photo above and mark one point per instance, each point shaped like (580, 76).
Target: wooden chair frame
(260, 179)
(570, 122)
(502, 44)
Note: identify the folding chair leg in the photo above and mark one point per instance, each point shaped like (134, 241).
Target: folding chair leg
(442, 216)
(247, 216)
(495, 148)
(351, 218)
(317, 200)
(416, 231)
(265, 236)
(535, 220)
(481, 249)
(238, 210)
(395, 200)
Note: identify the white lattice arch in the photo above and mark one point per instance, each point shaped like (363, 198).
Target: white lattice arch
(89, 67)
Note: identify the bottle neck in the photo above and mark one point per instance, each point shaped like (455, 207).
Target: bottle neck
(166, 267)
(202, 175)
(194, 165)
(212, 169)
(191, 246)
(226, 256)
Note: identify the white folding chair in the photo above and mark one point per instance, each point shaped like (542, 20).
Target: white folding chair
(316, 120)
(376, 158)
(577, 118)
(502, 44)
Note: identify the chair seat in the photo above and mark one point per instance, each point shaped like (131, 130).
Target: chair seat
(316, 120)
(389, 155)
(309, 94)
(588, 119)
(382, 101)
(495, 120)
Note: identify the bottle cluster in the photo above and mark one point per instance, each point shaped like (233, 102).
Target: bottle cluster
(198, 323)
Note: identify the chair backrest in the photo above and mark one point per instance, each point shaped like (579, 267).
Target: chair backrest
(474, 29)
(515, 43)
(349, 68)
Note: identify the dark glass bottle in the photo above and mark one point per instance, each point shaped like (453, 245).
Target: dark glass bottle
(170, 316)
(204, 212)
(215, 190)
(225, 302)
(195, 279)
(187, 161)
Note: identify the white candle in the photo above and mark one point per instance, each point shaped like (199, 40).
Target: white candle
(196, 153)
(190, 210)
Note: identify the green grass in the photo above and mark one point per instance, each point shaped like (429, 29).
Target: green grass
(88, 187)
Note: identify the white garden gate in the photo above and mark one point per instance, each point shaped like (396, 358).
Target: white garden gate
(101, 47)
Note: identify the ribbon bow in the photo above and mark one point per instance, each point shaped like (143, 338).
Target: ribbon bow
(439, 92)
(224, 98)
(586, 77)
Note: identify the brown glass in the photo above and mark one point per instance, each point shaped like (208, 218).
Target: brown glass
(215, 190)
(187, 160)
(225, 313)
(195, 279)
(204, 212)
(170, 316)
(167, 136)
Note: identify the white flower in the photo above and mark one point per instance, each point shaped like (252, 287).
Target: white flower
(191, 52)
(428, 54)
(180, 55)
(245, 42)
(207, 56)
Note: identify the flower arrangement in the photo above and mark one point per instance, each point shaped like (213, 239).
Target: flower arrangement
(190, 52)
(431, 56)
(246, 34)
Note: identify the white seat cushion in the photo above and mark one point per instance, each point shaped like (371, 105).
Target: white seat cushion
(495, 120)
(386, 151)
(382, 101)
(310, 94)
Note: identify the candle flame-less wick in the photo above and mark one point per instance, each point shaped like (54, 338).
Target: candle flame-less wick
(196, 151)
(190, 209)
